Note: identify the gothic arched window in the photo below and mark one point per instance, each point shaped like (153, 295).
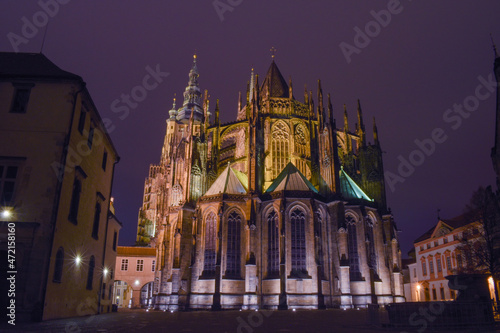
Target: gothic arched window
(297, 224)
(273, 244)
(370, 239)
(319, 235)
(176, 195)
(280, 151)
(233, 263)
(210, 243)
(352, 249)
(301, 148)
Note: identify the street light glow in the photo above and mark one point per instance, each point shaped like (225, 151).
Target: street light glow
(78, 260)
(136, 282)
(6, 213)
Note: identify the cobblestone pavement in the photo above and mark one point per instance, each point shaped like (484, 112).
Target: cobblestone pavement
(313, 321)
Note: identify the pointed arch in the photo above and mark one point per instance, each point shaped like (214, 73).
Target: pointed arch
(210, 244)
(352, 248)
(233, 251)
(370, 239)
(280, 147)
(302, 148)
(298, 240)
(273, 245)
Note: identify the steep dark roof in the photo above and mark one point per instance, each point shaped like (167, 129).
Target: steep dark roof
(28, 65)
(276, 82)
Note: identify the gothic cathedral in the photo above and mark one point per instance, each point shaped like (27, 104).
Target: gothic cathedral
(279, 209)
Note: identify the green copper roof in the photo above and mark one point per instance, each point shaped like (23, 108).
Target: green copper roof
(350, 189)
(291, 179)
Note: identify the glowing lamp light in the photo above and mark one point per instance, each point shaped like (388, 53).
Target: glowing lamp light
(78, 260)
(418, 287)
(136, 282)
(293, 310)
(6, 213)
(105, 271)
(117, 297)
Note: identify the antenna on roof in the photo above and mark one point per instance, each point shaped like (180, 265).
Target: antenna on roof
(44, 35)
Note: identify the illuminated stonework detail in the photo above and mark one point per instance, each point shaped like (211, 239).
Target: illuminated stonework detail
(280, 147)
(245, 214)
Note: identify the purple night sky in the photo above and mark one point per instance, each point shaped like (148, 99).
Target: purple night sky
(426, 59)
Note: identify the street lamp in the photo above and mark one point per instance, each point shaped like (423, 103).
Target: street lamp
(7, 212)
(418, 292)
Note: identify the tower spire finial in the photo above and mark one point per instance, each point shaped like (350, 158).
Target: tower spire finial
(494, 46)
(273, 52)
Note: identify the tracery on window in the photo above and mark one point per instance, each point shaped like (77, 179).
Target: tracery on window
(352, 249)
(298, 235)
(233, 262)
(273, 259)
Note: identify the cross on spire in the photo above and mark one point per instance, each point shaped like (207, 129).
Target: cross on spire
(273, 52)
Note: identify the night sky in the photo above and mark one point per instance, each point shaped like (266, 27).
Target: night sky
(427, 57)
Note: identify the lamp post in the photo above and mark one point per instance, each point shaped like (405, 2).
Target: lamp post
(418, 292)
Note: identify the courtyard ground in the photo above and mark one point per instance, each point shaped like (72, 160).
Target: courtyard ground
(312, 321)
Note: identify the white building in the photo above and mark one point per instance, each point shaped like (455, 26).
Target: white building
(135, 270)
(436, 257)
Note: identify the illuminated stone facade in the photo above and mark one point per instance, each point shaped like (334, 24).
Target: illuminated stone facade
(277, 209)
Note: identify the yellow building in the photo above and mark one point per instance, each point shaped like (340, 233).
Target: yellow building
(56, 167)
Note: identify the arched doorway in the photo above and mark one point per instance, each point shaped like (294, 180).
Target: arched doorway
(147, 295)
(122, 293)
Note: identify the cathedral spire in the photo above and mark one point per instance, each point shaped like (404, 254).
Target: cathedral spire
(375, 132)
(346, 120)
(311, 104)
(290, 88)
(239, 101)
(346, 131)
(320, 106)
(206, 108)
(330, 112)
(361, 129)
(248, 92)
(192, 97)
(217, 112)
(306, 96)
(252, 86)
(173, 111)
(256, 93)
